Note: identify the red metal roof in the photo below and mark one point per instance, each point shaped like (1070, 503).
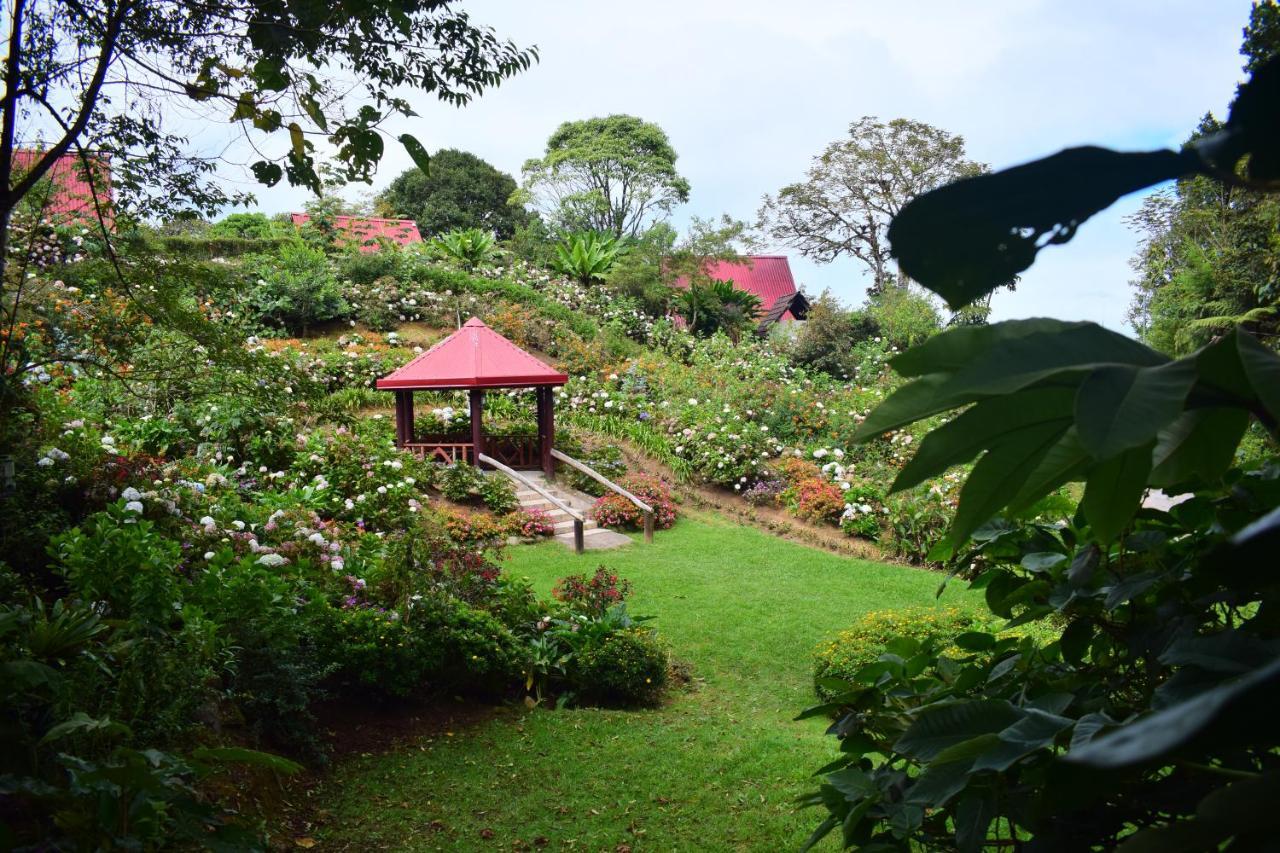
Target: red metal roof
(366, 230)
(475, 356)
(72, 196)
(767, 276)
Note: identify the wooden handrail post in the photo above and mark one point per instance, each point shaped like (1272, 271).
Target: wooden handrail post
(648, 527)
(579, 543)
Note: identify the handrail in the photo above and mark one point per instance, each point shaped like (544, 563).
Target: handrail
(605, 481)
(578, 519)
(600, 478)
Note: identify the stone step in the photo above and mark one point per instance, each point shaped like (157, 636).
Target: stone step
(598, 539)
(567, 524)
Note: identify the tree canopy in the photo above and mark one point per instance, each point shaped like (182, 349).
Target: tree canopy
(460, 191)
(857, 185)
(106, 76)
(1210, 254)
(615, 174)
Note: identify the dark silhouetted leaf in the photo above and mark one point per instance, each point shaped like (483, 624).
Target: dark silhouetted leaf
(417, 152)
(1156, 735)
(943, 726)
(1199, 444)
(966, 239)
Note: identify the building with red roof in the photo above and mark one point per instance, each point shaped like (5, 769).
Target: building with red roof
(368, 232)
(71, 195)
(769, 278)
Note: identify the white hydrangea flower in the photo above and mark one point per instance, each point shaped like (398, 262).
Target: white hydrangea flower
(133, 506)
(272, 561)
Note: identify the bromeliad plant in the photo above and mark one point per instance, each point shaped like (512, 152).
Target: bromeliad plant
(1148, 723)
(587, 257)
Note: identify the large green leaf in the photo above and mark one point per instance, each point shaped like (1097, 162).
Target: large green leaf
(942, 726)
(1199, 445)
(973, 817)
(81, 723)
(1262, 367)
(1156, 735)
(1034, 731)
(997, 477)
(1114, 490)
(1029, 355)
(908, 404)
(984, 427)
(959, 347)
(1121, 406)
(1065, 461)
(1017, 363)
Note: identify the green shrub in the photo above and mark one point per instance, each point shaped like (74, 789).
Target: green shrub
(372, 648)
(277, 675)
(119, 558)
(294, 288)
(629, 666)
(467, 247)
(605, 459)
(460, 482)
(845, 654)
(498, 494)
(587, 256)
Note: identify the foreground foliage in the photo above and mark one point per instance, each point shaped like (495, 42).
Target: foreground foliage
(1145, 723)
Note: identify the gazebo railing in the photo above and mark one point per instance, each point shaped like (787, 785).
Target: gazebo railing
(515, 451)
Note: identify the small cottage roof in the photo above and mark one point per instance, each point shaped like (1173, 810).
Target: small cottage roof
(475, 356)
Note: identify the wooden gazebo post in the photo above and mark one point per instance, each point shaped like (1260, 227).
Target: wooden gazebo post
(477, 427)
(404, 418)
(546, 429)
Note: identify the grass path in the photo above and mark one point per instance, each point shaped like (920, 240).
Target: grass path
(717, 768)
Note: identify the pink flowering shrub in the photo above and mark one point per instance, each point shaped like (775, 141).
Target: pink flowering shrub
(531, 523)
(592, 595)
(613, 510)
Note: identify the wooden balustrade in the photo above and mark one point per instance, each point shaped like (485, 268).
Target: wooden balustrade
(514, 451)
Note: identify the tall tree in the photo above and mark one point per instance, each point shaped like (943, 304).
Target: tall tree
(1210, 252)
(857, 185)
(108, 77)
(459, 191)
(615, 174)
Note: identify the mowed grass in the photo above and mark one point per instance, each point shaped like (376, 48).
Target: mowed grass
(716, 768)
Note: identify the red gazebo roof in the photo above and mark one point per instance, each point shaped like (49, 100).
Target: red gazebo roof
(475, 356)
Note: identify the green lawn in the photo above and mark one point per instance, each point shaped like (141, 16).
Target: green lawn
(715, 769)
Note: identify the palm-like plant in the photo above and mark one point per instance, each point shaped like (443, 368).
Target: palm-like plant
(708, 307)
(587, 256)
(468, 247)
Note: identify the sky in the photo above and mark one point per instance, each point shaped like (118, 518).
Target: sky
(750, 91)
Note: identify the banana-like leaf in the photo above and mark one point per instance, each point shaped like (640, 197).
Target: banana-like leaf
(1114, 490)
(1122, 406)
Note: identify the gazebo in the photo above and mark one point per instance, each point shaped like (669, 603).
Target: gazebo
(476, 358)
